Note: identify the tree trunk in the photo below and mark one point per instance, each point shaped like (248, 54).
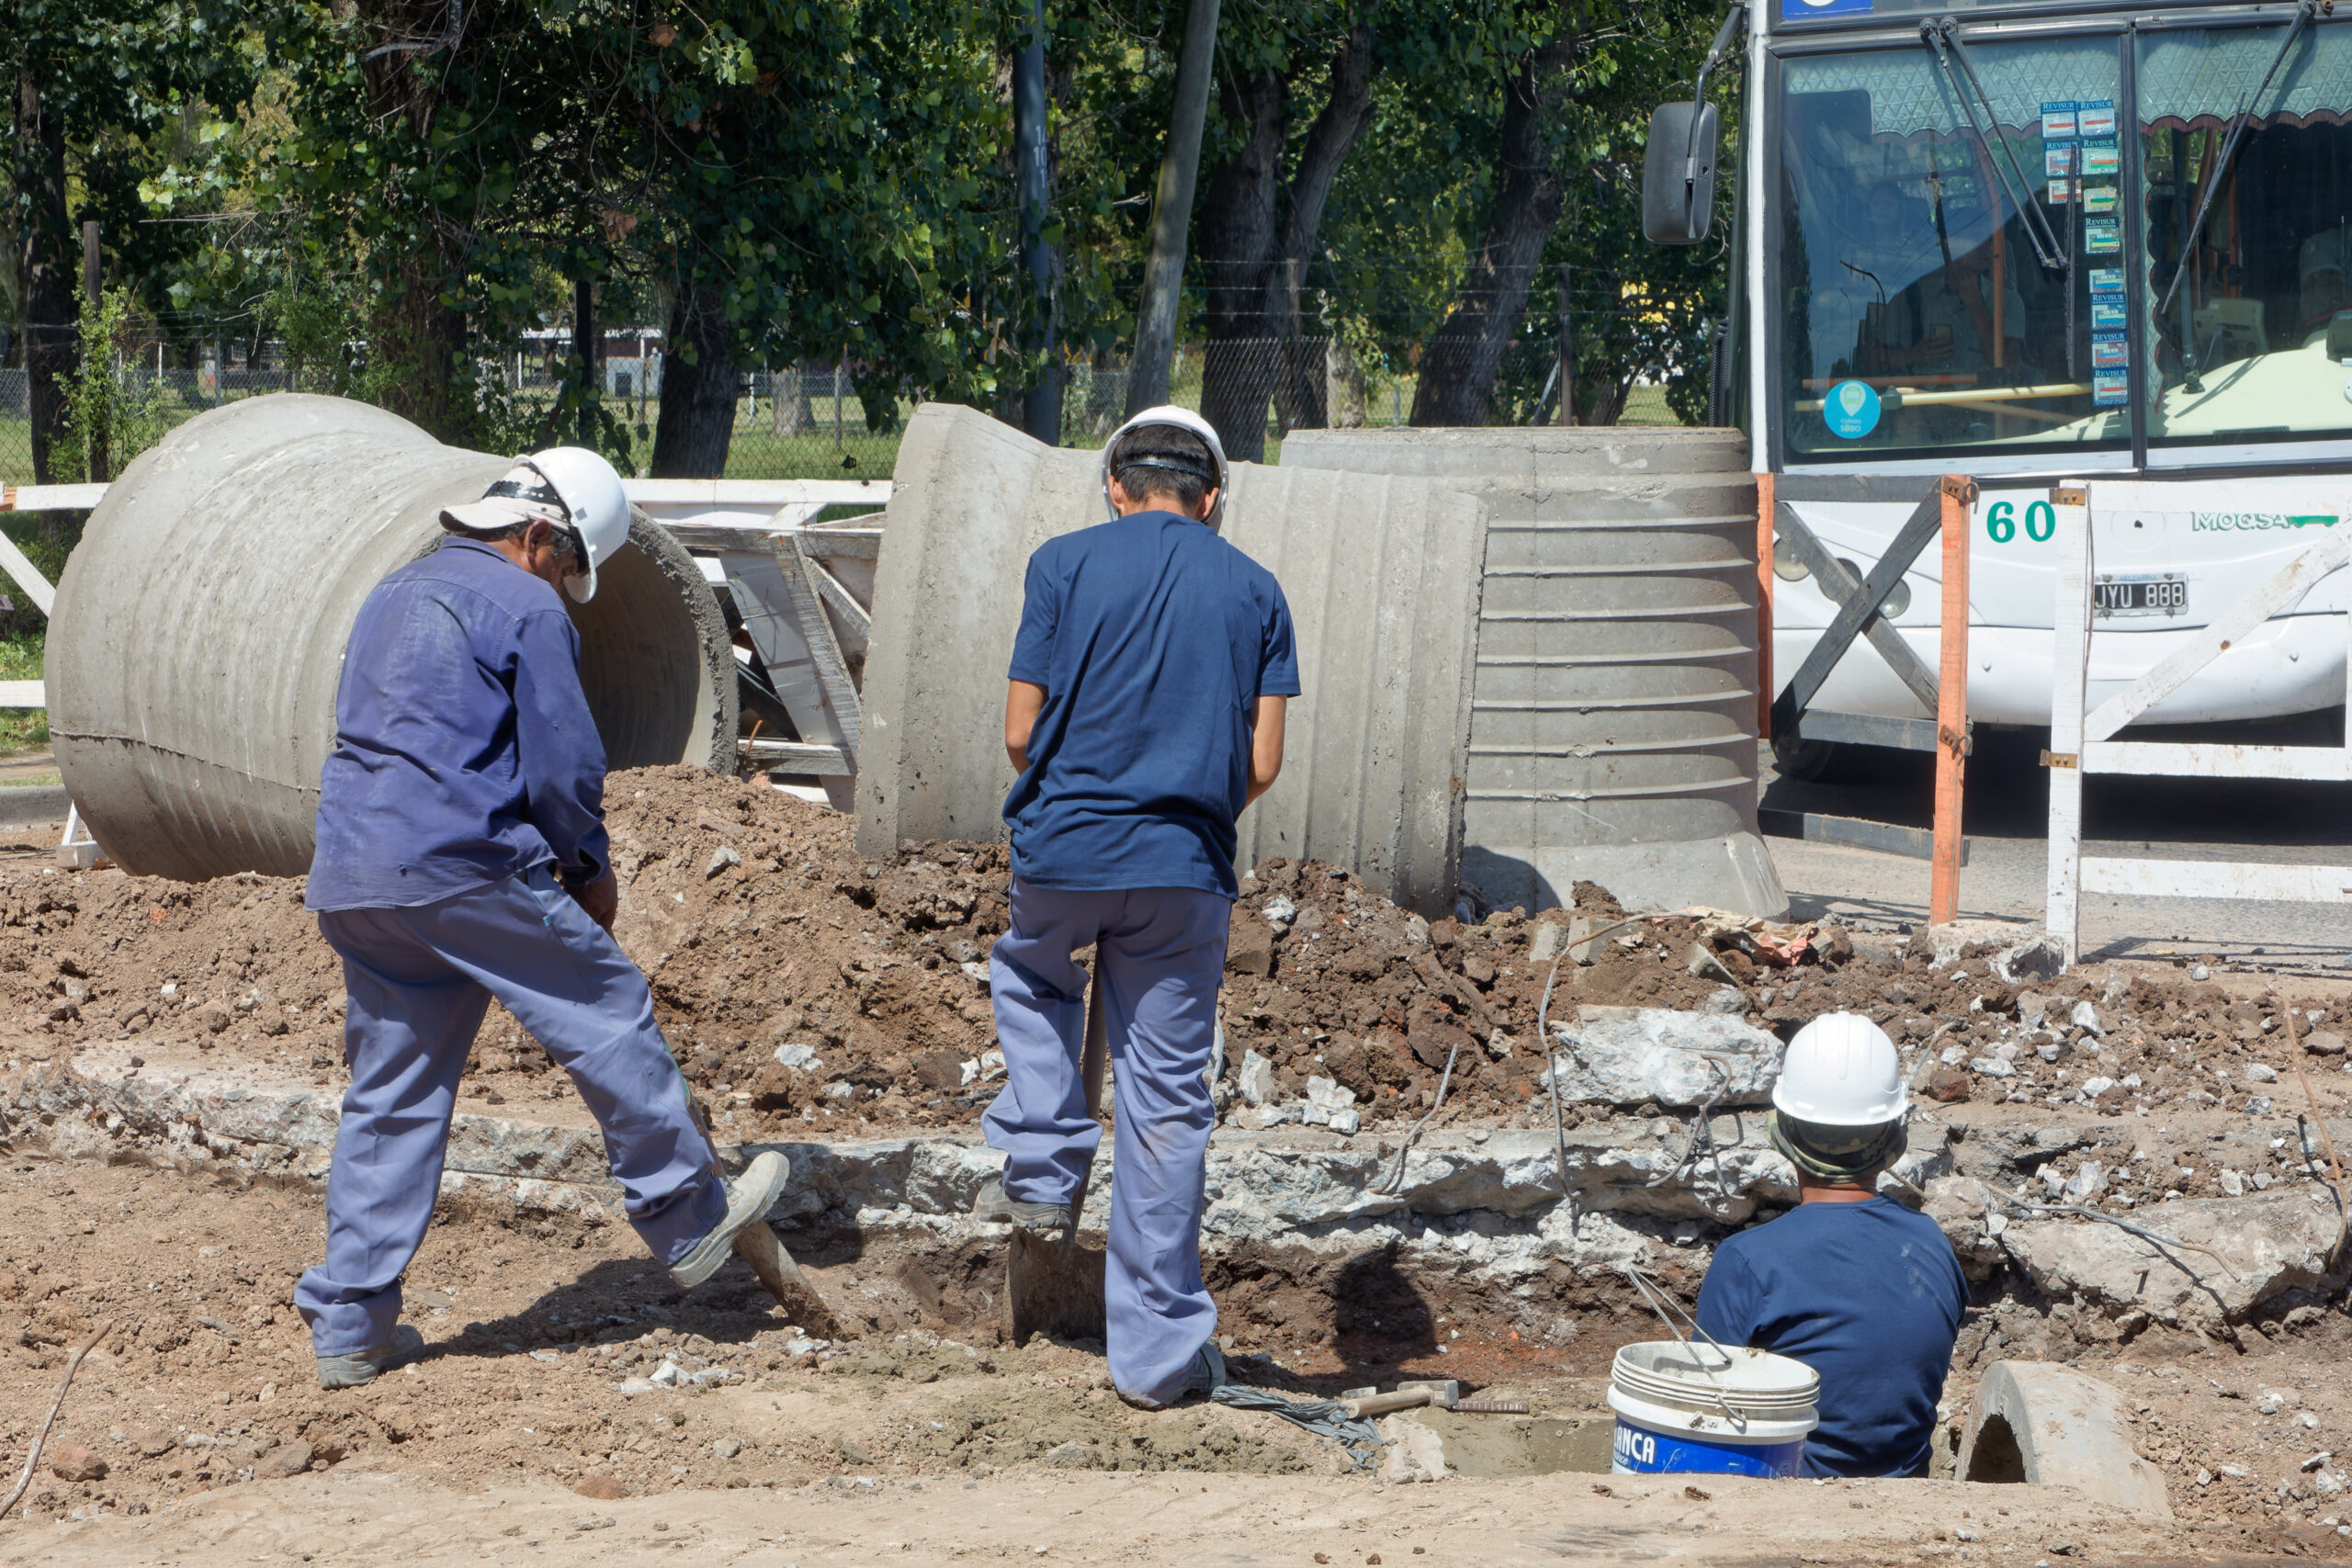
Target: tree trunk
(1328, 142)
(587, 344)
(1458, 367)
(411, 331)
(1171, 212)
(1343, 376)
(1239, 236)
(51, 357)
(697, 386)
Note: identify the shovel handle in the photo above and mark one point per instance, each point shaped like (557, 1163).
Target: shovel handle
(1382, 1403)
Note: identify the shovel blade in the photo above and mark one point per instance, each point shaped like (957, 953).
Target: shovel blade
(1053, 1288)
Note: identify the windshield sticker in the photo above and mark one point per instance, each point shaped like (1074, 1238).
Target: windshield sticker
(1805, 10)
(1850, 410)
(2096, 118)
(2107, 314)
(2111, 387)
(2098, 199)
(2107, 280)
(2256, 521)
(2063, 191)
(2058, 121)
(2058, 161)
(2102, 236)
(2101, 157)
(2108, 351)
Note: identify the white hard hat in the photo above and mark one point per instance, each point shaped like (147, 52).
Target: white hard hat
(1183, 419)
(570, 487)
(1841, 1071)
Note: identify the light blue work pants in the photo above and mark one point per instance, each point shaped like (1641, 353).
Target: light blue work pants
(419, 981)
(1161, 951)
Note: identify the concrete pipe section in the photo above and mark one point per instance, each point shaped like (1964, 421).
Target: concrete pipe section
(1381, 574)
(201, 626)
(1613, 731)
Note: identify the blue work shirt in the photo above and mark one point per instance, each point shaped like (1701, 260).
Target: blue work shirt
(1154, 640)
(464, 750)
(1867, 1294)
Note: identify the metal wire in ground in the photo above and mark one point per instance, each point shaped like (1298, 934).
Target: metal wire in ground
(33, 1455)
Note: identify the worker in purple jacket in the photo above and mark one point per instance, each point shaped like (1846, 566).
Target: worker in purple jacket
(461, 856)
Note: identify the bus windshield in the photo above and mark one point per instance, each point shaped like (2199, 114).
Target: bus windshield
(1917, 311)
(2253, 344)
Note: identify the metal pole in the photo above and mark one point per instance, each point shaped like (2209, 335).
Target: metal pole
(1567, 351)
(1040, 406)
(1171, 212)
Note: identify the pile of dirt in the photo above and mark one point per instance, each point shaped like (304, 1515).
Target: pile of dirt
(800, 982)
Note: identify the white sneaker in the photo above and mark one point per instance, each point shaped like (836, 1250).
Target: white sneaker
(749, 1197)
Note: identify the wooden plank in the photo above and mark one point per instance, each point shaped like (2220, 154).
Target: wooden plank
(842, 544)
(1954, 497)
(1887, 838)
(2322, 764)
(718, 531)
(1872, 489)
(852, 620)
(1765, 690)
(786, 625)
(1857, 605)
(2218, 879)
(2210, 642)
(799, 757)
(50, 498)
(2070, 661)
(23, 694)
(745, 494)
(1865, 730)
(35, 586)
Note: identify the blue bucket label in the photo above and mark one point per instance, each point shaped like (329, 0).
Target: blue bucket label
(1640, 1451)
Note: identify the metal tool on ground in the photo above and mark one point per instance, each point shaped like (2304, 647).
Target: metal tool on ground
(1443, 1393)
(757, 1245)
(1052, 1285)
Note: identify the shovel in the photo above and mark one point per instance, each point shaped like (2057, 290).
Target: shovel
(757, 1245)
(1054, 1286)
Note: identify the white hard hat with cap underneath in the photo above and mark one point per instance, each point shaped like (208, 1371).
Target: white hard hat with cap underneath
(1188, 422)
(569, 487)
(1841, 1071)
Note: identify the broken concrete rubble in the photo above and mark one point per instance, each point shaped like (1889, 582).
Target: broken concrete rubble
(1612, 1056)
(2268, 1244)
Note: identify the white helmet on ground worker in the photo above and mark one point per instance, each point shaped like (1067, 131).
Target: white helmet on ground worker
(1841, 1071)
(569, 487)
(1184, 420)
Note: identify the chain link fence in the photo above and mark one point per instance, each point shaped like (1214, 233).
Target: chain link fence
(810, 421)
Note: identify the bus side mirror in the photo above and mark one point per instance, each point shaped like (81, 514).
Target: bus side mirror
(1679, 174)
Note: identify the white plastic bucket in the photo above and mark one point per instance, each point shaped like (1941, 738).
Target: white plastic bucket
(1749, 1419)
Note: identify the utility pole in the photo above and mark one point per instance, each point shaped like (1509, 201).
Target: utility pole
(1567, 351)
(1041, 406)
(1172, 213)
(96, 358)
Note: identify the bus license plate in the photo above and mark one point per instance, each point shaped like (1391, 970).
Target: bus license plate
(2140, 597)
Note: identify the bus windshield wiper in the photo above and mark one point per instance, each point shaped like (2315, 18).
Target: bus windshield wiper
(1942, 35)
(2303, 12)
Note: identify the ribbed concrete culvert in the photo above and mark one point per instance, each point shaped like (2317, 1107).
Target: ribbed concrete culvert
(1613, 723)
(201, 626)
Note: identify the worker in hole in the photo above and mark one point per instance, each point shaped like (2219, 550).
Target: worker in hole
(1144, 711)
(1863, 1290)
(461, 855)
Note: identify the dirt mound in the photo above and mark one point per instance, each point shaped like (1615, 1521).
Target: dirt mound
(799, 981)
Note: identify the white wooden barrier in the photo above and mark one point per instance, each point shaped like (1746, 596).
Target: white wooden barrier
(2082, 744)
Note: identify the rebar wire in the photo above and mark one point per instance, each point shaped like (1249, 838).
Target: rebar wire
(1703, 1128)
(2302, 1137)
(1658, 1302)
(2142, 1231)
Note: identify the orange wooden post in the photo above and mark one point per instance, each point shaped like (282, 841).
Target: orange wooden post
(1764, 515)
(1952, 701)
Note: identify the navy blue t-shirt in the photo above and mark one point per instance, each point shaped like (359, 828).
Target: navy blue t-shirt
(1867, 1294)
(1154, 640)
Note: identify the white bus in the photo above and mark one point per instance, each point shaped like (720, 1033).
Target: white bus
(2031, 243)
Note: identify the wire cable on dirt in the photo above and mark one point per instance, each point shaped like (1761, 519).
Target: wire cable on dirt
(33, 1455)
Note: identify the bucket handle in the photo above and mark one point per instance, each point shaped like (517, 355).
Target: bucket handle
(1661, 1303)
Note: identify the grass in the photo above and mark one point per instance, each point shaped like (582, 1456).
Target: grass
(22, 730)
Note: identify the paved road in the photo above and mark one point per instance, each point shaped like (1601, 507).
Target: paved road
(2006, 812)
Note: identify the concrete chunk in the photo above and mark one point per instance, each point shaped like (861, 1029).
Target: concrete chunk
(2274, 1241)
(1626, 1056)
(2049, 1425)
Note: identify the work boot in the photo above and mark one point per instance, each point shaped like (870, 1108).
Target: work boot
(361, 1367)
(993, 1206)
(749, 1197)
(1205, 1376)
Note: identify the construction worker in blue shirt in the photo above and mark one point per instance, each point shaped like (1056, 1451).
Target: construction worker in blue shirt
(462, 855)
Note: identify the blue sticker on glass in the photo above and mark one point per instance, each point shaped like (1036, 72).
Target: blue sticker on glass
(2107, 314)
(2096, 118)
(2109, 387)
(2058, 120)
(2108, 353)
(2107, 280)
(1850, 410)
(1805, 10)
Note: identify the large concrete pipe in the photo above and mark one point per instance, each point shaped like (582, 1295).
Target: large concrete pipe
(1612, 737)
(200, 624)
(1382, 575)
